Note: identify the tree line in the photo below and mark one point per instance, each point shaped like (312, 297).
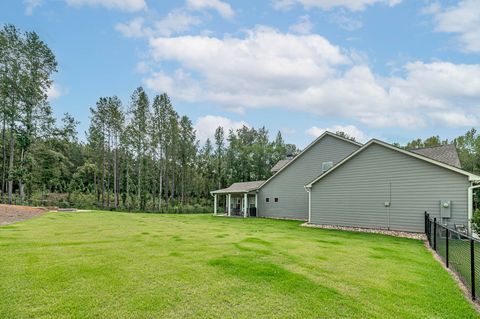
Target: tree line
(147, 156)
(142, 156)
(139, 155)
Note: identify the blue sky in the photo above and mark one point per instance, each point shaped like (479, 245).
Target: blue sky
(390, 69)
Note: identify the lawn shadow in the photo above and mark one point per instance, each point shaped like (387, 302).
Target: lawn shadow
(254, 244)
(276, 278)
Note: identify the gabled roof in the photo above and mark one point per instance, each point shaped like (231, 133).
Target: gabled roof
(318, 139)
(279, 165)
(471, 177)
(445, 153)
(243, 187)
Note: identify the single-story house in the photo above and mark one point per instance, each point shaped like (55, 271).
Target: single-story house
(337, 181)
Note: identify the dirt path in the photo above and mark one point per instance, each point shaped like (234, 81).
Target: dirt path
(13, 213)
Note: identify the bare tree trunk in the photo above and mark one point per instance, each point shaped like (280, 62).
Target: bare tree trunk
(160, 182)
(21, 183)
(167, 198)
(145, 177)
(115, 177)
(4, 151)
(108, 172)
(103, 176)
(108, 184)
(127, 184)
(139, 181)
(95, 184)
(182, 183)
(173, 187)
(10, 166)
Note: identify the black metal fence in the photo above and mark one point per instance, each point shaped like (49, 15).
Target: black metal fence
(459, 251)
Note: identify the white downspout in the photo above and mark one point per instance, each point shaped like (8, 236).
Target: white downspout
(470, 205)
(309, 191)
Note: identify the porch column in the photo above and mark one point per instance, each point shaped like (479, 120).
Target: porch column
(229, 197)
(245, 204)
(215, 204)
(256, 203)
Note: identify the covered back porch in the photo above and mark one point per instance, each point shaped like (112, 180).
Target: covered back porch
(241, 199)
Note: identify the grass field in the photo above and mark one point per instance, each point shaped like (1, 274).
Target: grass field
(120, 265)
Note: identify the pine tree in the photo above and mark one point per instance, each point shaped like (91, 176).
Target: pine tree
(219, 154)
(140, 119)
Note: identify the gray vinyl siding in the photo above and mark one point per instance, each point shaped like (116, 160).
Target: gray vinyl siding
(355, 193)
(288, 184)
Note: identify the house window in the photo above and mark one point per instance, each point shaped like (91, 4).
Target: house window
(267, 200)
(326, 166)
(276, 199)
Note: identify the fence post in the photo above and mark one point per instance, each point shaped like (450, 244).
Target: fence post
(429, 223)
(435, 234)
(472, 266)
(425, 221)
(430, 232)
(446, 247)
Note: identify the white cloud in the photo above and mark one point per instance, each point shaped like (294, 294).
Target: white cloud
(206, 126)
(55, 92)
(125, 5)
(353, 5)
(30, 6)
(345, 20)
(303, 26)
(177, 21)
(223, 8)
(462, 19)
(134, 29)
(350, 130)
(455, 118)
(142, 67)
(261, 70)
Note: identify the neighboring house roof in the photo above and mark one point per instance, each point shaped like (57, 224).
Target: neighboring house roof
(318, 139)
(279, 165)
(445, 153)
(243, 187)
(471, 177)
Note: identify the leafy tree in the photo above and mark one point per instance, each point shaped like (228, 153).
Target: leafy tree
(468, 147)
(428, 142)
(345, 135)
(187, 151)
(26, 67)
(476, 221)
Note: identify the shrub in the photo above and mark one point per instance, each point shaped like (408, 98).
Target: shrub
(476, 221)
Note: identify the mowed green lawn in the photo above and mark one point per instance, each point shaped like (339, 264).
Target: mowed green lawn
(120, 265)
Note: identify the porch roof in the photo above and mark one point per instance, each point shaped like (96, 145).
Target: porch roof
(243, 187)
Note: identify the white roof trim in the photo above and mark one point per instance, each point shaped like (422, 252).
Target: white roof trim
(471, 177)
(307, 148)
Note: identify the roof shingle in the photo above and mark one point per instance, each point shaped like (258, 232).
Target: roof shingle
(242, 187)
(279, 165)
(446, 154)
